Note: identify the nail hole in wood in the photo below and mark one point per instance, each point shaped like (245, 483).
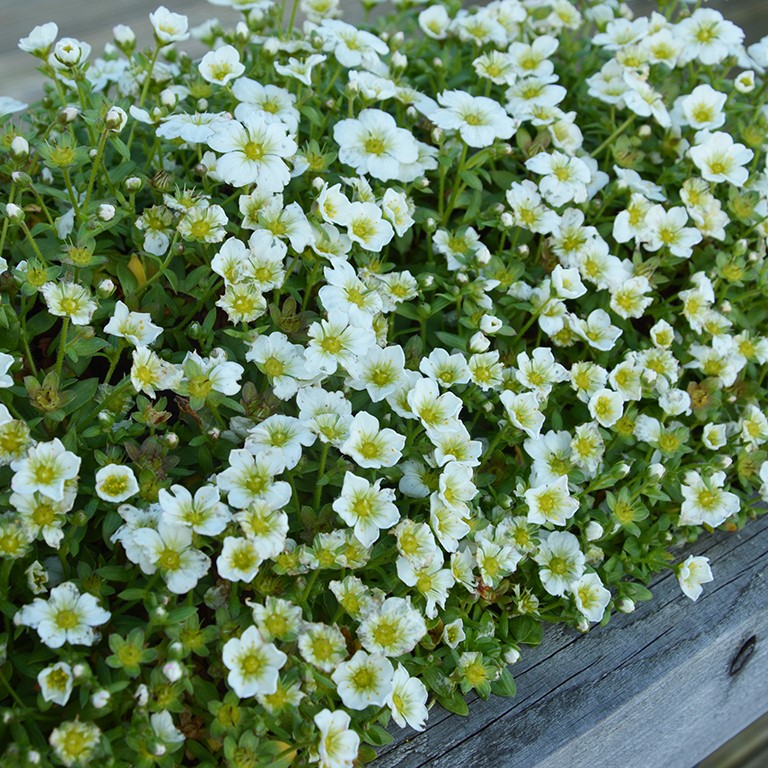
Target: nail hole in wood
(743, 655)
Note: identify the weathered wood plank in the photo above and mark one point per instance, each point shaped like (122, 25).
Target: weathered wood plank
(660, 683)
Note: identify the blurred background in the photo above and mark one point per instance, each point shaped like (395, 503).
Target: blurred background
(92, 21)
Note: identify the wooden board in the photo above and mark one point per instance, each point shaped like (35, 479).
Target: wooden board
(662, 687)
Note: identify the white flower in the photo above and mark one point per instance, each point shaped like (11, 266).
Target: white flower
(281, 361)
(253, 664)
(479, 120)
(221, 66)
(561, 562)
(40, 39)
(707, 36)
(265, 526)
(239, 559)
(66, 617)
(116, 483)
(323, 646)
(169, 27)
(551, 502)
(74, 742)
(373, 144)
(165, 730)
(694, 572)
(149, 372)
(6, 361)
(364, 680)
(344, 292)
(336, 342)
(703, 108)
(46, 468)
(408, 700)
(204, 375)
(253, 152)
(369, 508)
(204, 513)
(719, 158)
(169, 549)
(564, 179)
(339, 744)
(495, 561)
(705, 501)
(69, 300)
(606, 407)
(591, 596)
(56, 683)
(367, 227)
(435, 22)
(369, 445)
(136, 327)
(286, 435)
(249, 479)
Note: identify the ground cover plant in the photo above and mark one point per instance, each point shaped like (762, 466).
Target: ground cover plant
(337, 363)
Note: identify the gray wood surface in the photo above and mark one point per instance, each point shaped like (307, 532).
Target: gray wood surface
(660, 688)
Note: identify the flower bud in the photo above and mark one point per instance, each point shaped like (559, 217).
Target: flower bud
(173, 671)
(479, 342)
(133, 183)
(512, 656)
(437, 63)
(399, 60)
(202, 105)
(105, 288)
(644, 131)
(582, 625)
(593, 530)
(124, 36)
(745, 82)
(20, 147)
(490, 324)
(507, 220)
(100, 699)
(68, 114)
(141, 695)
(622, 470)
(106, 212)
(657, 471)
(68, 52)
(168, 98)
(242, 33)
(171, 439)
(625, 605)
(115, 119)
(78, 670)
(14, 212)
(21, 179)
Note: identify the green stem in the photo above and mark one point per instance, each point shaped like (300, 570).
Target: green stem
(32, 242)
(6, 220)
(95, 167)
(10, 689)
(458, 185)
(320, 473)
(62, 347)
(71, 191)
(293, 17)
(616, 133)
(160, 272)
(113, 363)
(24, 339)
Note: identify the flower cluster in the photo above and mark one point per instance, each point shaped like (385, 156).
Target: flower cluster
(336, 362)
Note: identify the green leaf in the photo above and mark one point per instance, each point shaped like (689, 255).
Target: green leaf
(455, 703)
(504, 685)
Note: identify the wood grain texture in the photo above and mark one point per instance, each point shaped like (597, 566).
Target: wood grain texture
(657, 688)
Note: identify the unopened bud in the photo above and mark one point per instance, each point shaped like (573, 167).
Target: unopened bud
(745, 82)
(115, 119)
(100, 699)
(14, 212)
(124, 36)
(68, 114)
(593, 531)
(479, 342)
(133, 183)
(20, 147)
(202, 105)
(168, 98)
(106, 212)
(625, 605)
(173, 671)
(105, 288)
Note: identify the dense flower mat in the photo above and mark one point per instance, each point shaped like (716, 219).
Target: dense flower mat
(336, 363)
